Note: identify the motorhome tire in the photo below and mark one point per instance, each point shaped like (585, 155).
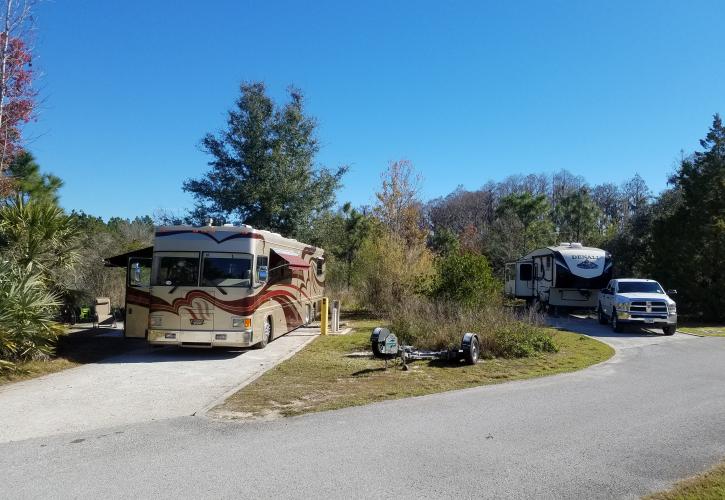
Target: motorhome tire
(616, 325)
(669, 329)
(267, 335)
(601, 316)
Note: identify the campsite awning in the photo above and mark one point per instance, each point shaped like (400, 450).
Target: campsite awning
(294, 262)
(122, 260)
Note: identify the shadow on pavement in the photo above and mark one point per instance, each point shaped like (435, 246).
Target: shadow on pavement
(594, 329)
(148, 354)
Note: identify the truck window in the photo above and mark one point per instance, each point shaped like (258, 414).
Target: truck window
(226, 269)
(640, 287)
(525, 272)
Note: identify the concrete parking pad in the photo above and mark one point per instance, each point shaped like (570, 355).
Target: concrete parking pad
(141, 386)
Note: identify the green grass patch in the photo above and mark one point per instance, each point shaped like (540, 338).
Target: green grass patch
(707, 486)
(708, 330)
(332, 372)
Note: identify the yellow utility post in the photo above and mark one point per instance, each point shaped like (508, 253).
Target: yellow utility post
(323, 316)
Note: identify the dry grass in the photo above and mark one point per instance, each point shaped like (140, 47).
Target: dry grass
(334, 372)
(503, 331)
(707, 486)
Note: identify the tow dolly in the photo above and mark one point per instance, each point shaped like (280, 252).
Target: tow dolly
(385, 346)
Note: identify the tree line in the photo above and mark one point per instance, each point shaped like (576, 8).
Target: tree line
(263, 172)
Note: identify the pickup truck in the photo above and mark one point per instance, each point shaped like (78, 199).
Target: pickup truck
(637, 302)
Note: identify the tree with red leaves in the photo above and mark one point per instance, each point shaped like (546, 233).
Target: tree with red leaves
(17, 96)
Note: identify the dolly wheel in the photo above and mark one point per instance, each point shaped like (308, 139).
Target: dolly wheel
(473, 351)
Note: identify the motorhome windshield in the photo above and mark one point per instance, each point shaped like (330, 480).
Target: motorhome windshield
(226, 269)
(176, 269)
(639, 287)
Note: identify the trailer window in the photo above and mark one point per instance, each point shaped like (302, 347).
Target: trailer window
(226, 269)
(177, 269)
(525, 272)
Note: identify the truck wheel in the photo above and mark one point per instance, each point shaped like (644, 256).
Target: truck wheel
(616, 325)
(601, 316)
(669, 329)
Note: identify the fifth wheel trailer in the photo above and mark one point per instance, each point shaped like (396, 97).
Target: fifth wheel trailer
(566, 275)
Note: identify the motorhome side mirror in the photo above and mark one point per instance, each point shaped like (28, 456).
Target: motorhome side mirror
(671, 292)
(262, 273)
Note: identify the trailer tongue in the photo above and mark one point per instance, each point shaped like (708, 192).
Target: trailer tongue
(385, 346)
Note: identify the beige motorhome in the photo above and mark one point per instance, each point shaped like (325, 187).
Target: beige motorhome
(230, 286)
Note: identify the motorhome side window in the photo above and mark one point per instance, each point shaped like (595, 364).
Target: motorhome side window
(320, 267)
(226, 269)
(525, 272)
(139, 273)
(176, 269)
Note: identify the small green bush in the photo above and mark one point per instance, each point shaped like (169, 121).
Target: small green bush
(465, 278)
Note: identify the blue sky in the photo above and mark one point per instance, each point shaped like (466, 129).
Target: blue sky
(468, 91)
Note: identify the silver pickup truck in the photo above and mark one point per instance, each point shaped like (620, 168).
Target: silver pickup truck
(637, 301)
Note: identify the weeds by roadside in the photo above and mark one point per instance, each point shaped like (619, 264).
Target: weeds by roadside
(504, 332)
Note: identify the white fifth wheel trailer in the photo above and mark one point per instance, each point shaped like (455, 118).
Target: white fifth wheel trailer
(567, 275)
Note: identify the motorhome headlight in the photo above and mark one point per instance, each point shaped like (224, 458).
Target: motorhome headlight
(156, 320)
(672, 308)
(623, 306)
(241, 322)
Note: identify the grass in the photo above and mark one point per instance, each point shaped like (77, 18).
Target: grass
(74, 349)
(707, 486)
(708, 330)
(333, 373)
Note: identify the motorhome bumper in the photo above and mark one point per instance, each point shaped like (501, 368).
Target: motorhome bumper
(194, 338)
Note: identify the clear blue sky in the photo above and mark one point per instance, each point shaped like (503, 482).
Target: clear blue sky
(468, 91)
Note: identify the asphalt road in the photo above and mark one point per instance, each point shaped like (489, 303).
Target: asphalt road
(651, 415)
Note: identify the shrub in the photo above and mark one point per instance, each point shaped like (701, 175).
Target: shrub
(437, 324)
(465, 278)
(389, 269)
(27, 329)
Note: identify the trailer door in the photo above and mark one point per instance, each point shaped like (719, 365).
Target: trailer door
(524, 279)
(138, 297)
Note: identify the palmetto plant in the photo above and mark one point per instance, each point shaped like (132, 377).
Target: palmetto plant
(38, 234)
(27, 329)
(38, 243)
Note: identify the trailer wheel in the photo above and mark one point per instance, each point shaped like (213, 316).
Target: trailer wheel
(602, 317)
(616, 325)
(472, 350)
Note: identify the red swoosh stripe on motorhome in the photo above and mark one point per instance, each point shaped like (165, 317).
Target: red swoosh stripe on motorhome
(244, 306)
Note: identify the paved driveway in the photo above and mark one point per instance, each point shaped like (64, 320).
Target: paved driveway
(637, 423)
(140, 386)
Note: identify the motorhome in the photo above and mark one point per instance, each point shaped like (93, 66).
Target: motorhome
(231, 286)
(566, 275)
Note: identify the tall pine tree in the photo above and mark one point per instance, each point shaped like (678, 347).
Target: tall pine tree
(262, 167)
